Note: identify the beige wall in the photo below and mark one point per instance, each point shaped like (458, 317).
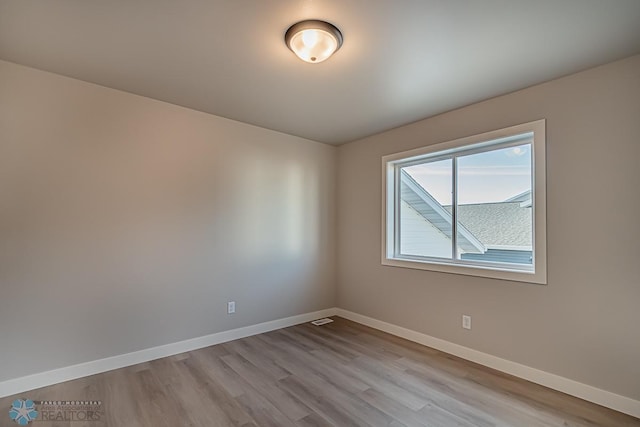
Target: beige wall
(127, 223)
(585, 324)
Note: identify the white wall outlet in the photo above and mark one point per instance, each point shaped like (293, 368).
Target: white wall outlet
(231, 307)
(466, 321)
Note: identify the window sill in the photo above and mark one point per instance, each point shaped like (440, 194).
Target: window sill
(467, 270)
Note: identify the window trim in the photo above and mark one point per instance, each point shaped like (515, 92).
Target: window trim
(390, 227)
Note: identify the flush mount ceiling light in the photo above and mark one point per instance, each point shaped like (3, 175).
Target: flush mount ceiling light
(313, 41)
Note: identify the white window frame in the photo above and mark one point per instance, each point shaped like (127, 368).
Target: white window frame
(537, 272)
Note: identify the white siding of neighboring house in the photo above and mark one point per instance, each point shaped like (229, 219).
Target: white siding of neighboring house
(419, 237)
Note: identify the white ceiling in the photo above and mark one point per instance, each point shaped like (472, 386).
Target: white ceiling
(401, 60)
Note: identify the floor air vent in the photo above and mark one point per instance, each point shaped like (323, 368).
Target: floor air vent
(321, 322)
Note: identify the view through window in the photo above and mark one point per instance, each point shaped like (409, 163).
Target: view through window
(469, 204)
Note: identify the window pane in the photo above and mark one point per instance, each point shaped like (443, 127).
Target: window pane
(495, 206)
(425, 224)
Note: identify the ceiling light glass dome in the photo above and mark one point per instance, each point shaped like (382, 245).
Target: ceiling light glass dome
(313, 41)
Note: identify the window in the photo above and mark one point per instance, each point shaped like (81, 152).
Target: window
(472, 206)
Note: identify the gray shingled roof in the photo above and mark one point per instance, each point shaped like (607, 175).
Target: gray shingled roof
(504, 224)
(498, 224)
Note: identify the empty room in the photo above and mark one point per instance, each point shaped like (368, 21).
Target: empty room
(319, 213)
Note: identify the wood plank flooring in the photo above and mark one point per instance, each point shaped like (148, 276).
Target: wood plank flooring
(339, 374)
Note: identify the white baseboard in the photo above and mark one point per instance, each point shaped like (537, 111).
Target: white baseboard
(43, 379)
(583, 391)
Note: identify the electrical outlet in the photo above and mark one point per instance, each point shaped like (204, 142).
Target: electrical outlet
(231, 307)
(466, 321)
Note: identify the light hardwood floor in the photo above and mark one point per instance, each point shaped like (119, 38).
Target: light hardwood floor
(340, 374)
